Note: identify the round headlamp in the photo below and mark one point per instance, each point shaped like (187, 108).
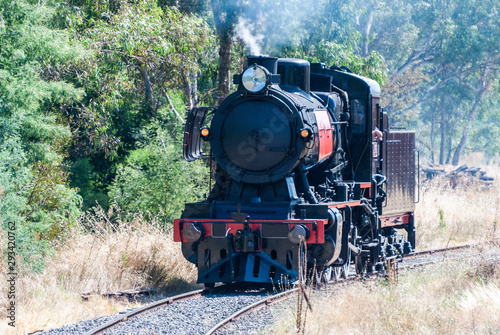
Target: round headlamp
(305, 133)
(254, 78)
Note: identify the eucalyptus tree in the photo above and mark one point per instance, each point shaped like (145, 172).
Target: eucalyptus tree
(225, 14)
(426, 45)
(141, 54)
(157, 46)
(34, 193)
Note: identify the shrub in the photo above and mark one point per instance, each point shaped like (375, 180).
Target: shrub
(155, 179)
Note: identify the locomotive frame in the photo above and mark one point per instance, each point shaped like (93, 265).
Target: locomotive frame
(303, 153)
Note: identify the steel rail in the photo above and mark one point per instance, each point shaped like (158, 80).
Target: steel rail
(438, 250)
(285, 295)
(253, 307)
(430, 252)
(157, 304)
(279, 297)
(264, 302)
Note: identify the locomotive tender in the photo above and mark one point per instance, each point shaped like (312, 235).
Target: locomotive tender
(303, 153)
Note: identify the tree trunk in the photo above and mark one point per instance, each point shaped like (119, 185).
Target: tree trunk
(226, 44)
(433, 122)
(367, 30)
(443, 133)
(187, 92)
(148, 89)
(484, 87)
(450, 150)
(191, 89)
(225, 31)
(193, 83)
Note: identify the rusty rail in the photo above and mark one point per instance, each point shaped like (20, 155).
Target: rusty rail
(438, 250)
(160, 303)
(253, 307)
(261, 303)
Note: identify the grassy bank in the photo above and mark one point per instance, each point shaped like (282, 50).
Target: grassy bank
(455, 297)
(458, 210)
(116, 256)
(107, 254)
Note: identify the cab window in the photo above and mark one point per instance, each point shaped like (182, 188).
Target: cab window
(358, 116)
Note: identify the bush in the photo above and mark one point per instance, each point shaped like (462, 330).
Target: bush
(33, 183)
(155, 179)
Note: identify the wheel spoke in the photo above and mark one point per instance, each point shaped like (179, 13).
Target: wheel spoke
(345, 267)
(319, 276)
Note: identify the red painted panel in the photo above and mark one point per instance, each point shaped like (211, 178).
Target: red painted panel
(317, 234)
(325, 134)
(395, 220)
(177, 231)
(366, 186)
(345, 204)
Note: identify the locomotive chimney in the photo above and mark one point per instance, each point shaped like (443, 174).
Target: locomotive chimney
(270, 63)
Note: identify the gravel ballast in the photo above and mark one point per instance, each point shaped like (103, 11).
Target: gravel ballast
(193, 316)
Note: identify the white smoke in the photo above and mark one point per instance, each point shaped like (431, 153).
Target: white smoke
(266, 26)
(252, 41)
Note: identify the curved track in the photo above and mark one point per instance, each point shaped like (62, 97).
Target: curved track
(225, 296)
(343, 281)
(190, 313)
(253, 307)
(157, 304)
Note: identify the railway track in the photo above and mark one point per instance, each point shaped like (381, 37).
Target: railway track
(252, 308)
(439, 250)
(194, 312)
(150, 307)
(211, 311)
(351, 279)
(425, 257)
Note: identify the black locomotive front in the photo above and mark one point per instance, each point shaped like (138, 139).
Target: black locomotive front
(285, 174)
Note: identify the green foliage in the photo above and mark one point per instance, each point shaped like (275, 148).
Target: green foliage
(324, 31)
(147, 34)
(155, 180)
(487, 131)
(140, 53)
(33, 183)
(84, 178)
(442, 59)
(91, 87)
(332, 53)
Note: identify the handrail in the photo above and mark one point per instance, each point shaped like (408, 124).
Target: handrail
(418, 178)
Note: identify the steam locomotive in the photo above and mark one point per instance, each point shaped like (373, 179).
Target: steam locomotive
(307, 172)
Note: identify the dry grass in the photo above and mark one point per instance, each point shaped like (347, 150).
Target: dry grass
(458, 211)
(456, 297)
(116, 256)
(449, 298)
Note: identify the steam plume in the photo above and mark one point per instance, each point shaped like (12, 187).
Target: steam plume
(244, 32)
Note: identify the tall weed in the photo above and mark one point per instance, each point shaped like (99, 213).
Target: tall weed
(103, 254)
(458, 210)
